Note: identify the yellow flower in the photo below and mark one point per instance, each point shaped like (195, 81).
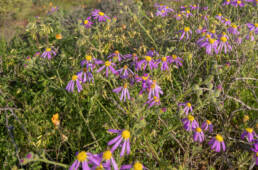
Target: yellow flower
(59, 36)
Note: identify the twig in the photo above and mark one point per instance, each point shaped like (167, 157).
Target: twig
(246, 78)
(239, 101)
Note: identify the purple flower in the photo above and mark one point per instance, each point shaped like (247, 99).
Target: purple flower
(250, 36)
(164, 62)
(147, 61)
(106, 161)
(211, 46)
(178, 16)
(36, 54)
(125, 72)
(116, 56)
(70, 85)
(255, 150)
(190, 123)
(109, 66)
(226, 21)
(187, 13)
(145, 80)
(87, 22)
(188, 107)
(153, 101)
(154, 89)
(83, 158)
(198, 135)
(100, 16)
(233, 29)
(238, 3)
(85, 76)
(216, 143)
(219, 17)
(90, 62)
(136, 166)
(186, 32)
(226, 2)
(223, 43)
(177, 60)
(200, 30)
(152, 52)
(163, 10)
(49, 53)
(193, 7)
(250, 133)
(207, 125)
(123, 136)
(253, 27)
(125, 93)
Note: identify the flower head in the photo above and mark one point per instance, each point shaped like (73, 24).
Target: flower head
(198, 135)
(125, 92)
(217, 143)
(134, 166)
(87, 22)
(250, 133)
(100, 16)
(190, 123)
(109, 66)
(49, 53)
(207, 125)
(83, 158)
(70, 85)
(188, 107)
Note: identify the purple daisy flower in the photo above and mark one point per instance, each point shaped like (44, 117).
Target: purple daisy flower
(233, 29)
(154, 89)
(145, 80)
(135, 166)
(198, 135)
(226, 21)
(188, 107)
(85, 76)
(70, 85)
(253, 27)
(83, 158)
(255, 150)
(153, 101)
(190, 123)
(90, 62)
(250, 133)
(200, 30)
(187, 13)
(217, 143)
(177, 60)
(125, 72)
(147, 61)
(193, 7)
(100, 16)
(87, 22)
(226, 2)
(223, 43)
(106, 161)
(163, 10)
(207, 125)
(116, 56)
(125, 92)
(238, 3)
(178, 16)
(211, 46)
(219, 17)
(250, 36)
(49, 53)
(164, 61)
(123, 135)
(186, 32)
(152, 52)
(109, 66)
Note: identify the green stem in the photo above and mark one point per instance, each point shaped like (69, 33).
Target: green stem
(51, 162)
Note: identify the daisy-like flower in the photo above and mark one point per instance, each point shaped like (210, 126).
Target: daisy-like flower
(253, 27)
(207, 125)
(152, 52)
(87, 22)
(188, 13)
(83, 158)
(217, 143)
(164, 61)
(193, 7)
(135, 166)
(177, 60)
(226, 2)
(37, 54)
(153, 101)
(200, 30)
(100, 16)
(188, 107)
(147, 61)
(163, 10)
(85, 75)
(125, 72)
(70, 85)
(109, 66)
(226, 21)
(186, 32)
(116, 56)
(154, 89)
(223, 43)
(198, 135)
(250, 133)
(233, 29)
(255, 150)
(123, 136)
(145, 80)
(211, 46)
(49, 53)
(250, 36)
(106, 161)
(125, 92)
(190, 123)
(178, 16)
(238, 3)
(219, 17)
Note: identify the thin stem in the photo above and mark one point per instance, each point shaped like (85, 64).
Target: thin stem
(51, 162)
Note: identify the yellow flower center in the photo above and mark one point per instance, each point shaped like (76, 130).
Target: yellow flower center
(208, 36)
(144, 77)
(156, 99)
(107, 155)
(174, 57)
(188, 12)
(213, 31)
(219, 14)
(191, 118)
(125, 67)
(163, 11)
(200, 27)
(186, 29)
(256, 25)
(198, 130)
(107, 63)
(126, 134)
(179, 15)
(164, 59)
(208, 122)
(249, 130)
(48, 49)
(234, 26)
(226, 19)
(228, 0)
(238, 2)
(137, 166)
(148, 58)
(88, 58)
(116, 52)
(223, 39)
(256, 152)
(101, 13)
(125, 85)
(82, 156)
(153, 85)
(211, 40)
(219, 138)
(74, 77)
(86, 22)
(188, 105)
